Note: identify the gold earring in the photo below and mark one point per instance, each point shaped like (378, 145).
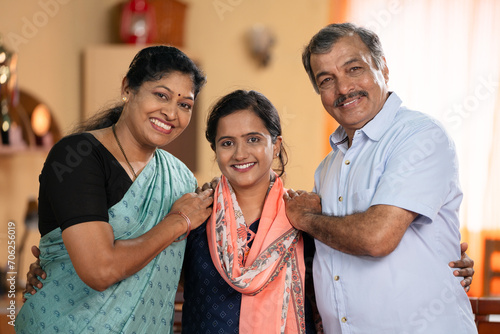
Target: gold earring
(124, 99)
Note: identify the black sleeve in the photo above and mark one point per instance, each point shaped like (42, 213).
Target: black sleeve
(73, 184)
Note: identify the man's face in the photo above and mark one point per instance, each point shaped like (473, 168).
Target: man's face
(352, 89)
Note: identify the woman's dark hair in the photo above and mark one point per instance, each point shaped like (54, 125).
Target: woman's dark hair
(247, 100)
(149, 64)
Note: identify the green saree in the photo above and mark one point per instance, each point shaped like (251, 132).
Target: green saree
(142, 303)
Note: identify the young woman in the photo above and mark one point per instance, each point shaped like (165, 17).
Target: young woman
(112, 206)
(244, 269)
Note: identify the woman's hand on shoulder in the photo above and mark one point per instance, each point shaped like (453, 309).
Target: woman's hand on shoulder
(197, 206)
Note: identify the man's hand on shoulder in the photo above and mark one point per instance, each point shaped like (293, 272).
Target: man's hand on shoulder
(208, 185)
(301, 206)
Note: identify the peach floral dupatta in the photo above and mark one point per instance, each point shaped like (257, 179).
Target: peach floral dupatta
(271, 273)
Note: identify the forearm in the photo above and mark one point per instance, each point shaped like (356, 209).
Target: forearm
(348, 234)
(109, 261)
(130, 256)
(375, 232)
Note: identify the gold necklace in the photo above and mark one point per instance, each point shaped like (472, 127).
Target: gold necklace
(121, 149)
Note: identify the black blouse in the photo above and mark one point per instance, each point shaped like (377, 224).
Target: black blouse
(79, 182)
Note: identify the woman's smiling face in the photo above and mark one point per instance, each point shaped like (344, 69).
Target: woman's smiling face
(245, 150)
(160, 110)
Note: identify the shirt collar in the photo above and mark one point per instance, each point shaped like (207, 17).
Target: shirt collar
(375, 128)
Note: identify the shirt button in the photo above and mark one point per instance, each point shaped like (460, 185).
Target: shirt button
(336, 277)
(344, 319)
(340, 199)
(347, 162)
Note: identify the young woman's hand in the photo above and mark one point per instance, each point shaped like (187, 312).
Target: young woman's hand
(33, 274)
(465, 267)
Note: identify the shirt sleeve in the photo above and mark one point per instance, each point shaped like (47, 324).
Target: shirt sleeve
(73, 182)
(421, 172)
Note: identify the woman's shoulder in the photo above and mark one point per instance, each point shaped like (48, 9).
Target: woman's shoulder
(80, 151)
(171, 158)
(81, 143)
(176, 166)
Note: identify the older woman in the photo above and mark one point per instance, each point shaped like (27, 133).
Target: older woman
(113, 209)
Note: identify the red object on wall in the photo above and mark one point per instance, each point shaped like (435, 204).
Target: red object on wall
(138, 22)
(170, 21)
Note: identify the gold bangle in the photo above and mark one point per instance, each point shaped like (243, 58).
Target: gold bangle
(186, 218)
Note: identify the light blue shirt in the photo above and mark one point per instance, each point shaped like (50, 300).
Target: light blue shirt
(402, 158)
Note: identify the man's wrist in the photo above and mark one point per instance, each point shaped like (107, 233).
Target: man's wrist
(307, 222)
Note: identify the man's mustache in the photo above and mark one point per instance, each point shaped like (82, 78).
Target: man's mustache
(342, 98)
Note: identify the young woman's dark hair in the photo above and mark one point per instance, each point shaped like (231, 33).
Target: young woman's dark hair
(247, 100)
(149, 64)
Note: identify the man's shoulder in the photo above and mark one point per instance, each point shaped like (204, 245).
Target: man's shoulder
(414, 120)
(413, 128)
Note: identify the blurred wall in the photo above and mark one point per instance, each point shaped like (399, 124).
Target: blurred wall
(49, 36)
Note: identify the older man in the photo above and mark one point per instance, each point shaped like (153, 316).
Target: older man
(384, 211)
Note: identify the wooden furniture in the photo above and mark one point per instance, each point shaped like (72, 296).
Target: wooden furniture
(170, 21)
(5, 327)
(6, 321)
(484, 308)
(179, 300)
(491, 246)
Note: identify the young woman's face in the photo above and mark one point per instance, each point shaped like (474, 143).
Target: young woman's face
(160, 110)
(245, 150)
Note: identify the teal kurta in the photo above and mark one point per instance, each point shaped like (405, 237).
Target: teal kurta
(142, 303)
